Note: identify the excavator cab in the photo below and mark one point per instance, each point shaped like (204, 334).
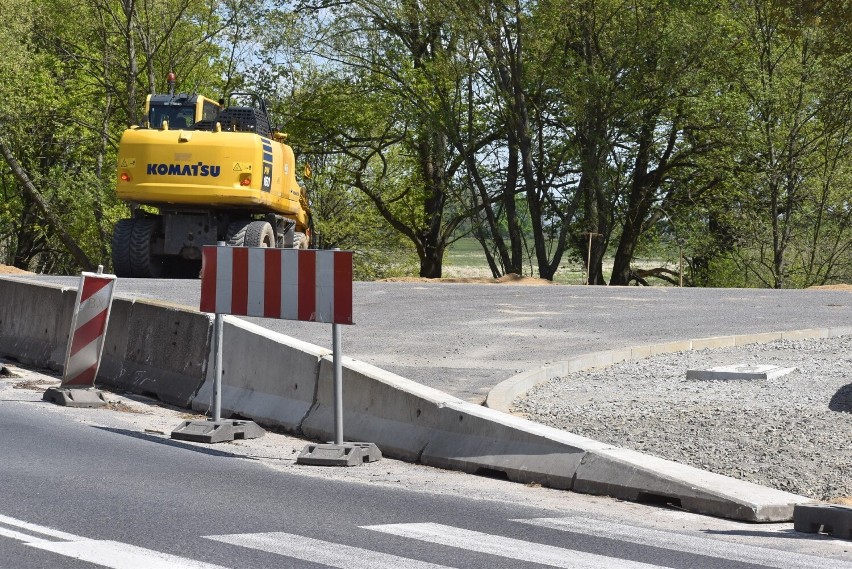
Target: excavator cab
(180, 111)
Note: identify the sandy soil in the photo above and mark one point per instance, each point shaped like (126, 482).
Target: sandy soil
(7, 270)
(511, 278)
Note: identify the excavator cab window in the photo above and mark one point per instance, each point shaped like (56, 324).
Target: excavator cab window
(178, 117)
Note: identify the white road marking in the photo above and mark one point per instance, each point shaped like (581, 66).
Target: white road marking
(117, 555)
(37, 529)
(113, 554)
(690, 544)
(507, 547)
(323, 552)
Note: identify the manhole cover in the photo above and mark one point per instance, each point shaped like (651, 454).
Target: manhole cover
(739, 371)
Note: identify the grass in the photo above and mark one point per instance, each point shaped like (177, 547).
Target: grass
(465, 259)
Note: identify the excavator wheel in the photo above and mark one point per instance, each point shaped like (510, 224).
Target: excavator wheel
(143, 262)
(248, 233)
(259, 234)
(121, 247)
(237, 233)
(300, 240)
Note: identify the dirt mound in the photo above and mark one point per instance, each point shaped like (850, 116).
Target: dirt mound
(7, 270)
(833, 287)
(511, 278)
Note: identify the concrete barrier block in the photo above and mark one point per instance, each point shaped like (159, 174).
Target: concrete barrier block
(671, 347)
(379, 407)
(267, 376)
(431, 427)
(744, 339)
(713, 342)
(166, 352)
(478, 440)
(589, 361)
(630, 475)
(35, 321)
(115, 342)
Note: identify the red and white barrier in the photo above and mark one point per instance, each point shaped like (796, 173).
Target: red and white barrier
(289, 284)
(88, 329)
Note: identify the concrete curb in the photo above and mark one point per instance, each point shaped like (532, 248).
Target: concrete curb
(504, 393)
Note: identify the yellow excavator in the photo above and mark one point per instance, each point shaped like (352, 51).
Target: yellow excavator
(213, 172)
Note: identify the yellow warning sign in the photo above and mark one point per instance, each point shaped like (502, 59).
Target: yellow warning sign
(242, 166)
(128, 163)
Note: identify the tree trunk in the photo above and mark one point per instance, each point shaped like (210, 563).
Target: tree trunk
(43, 206)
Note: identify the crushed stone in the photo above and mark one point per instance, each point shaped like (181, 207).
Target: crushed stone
(792, 433)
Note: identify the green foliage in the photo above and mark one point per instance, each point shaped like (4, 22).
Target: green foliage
(724, 128)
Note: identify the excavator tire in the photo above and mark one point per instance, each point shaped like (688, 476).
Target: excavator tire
(121, 247)
(237, 233)
(300, 240)
(259, 234)
(143, 262)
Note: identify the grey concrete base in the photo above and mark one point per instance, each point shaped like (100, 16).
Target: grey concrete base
(217, 431)
(828, 518)
(347, 454)
(75, 397)
(631, 475)
(738, 372)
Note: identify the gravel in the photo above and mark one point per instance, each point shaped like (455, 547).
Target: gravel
(793, 433)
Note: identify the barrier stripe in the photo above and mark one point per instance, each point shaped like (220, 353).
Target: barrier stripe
(290, 287)
(272, 291)
(88, 329)
(92, 285)
(325, 289)
(88, 332)
(343, 287)
(307, 294)
(209, 255)
(85, 377)
(278, 283)
(255, 277)
(239, 282)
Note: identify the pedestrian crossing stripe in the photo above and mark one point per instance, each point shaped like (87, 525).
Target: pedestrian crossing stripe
(508, 547)
(322, 552)
(105, 553)
(696, 545)
(117, 555)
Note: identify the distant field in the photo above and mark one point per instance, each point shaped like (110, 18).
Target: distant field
(465, 259)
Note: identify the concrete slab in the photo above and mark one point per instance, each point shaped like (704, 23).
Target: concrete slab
(75, 397)
(346, 454)
(217, 431)
(832, 519)
(739, 371)
(630, 475)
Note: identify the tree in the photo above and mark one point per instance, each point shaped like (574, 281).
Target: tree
(797, 85)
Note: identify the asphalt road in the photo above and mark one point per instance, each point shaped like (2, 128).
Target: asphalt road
(464, 339)
(80, 490)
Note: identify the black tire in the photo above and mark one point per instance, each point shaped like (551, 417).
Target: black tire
(143, 262)
(121, 236)
(300, 240)
(259, 234)
(237, 233)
